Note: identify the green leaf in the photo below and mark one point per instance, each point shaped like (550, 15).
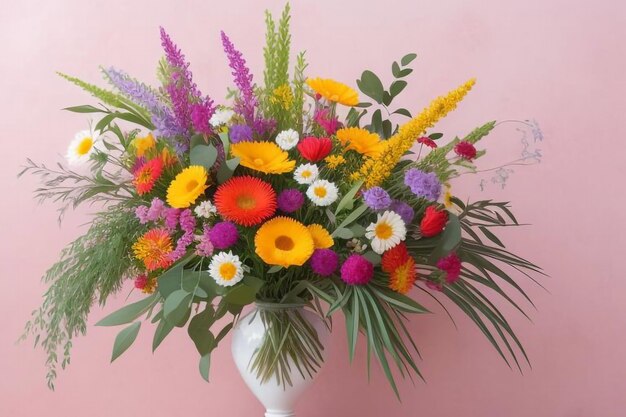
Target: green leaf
(347, 202)
(104, 122)
(403, 112)
(371, 86)
(253, 282)
(275, 269)
(489, 235)
(163, 329)
(203, 155)
(405, 72)
(198, 331)
(176, 306)
(196, 140)
(351, 217)
(377, 123)
(227, 169)
(407, 59)
(387, 98)
(225, 142)
(85, 109)
(397, 87)
(128, 313)
(204, 366)
(435, 136)
(373, 257)
(343, 233)
(395, 69)
(241, 295)
(125, 339)
(357, 230)
(386, 128)
(363, 105)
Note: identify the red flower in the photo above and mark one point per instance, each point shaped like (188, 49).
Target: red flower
(427, 141)
(315, 149)
(394, 257)
(433, 222)
(465, 150)
(147, 174)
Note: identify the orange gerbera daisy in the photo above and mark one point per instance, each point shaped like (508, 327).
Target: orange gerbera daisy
(147, 175)
(394, 257)
(334, 91)
(360, 140)
(403, 277)
(245, 200)
(153, 249)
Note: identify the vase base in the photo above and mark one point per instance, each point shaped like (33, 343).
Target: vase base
(279, 413)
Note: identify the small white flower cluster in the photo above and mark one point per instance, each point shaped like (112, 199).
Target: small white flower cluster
(206, 209)
(221, 117)
(287, 139)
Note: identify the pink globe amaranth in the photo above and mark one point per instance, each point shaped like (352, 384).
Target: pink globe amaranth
(451, 265)
(324, 262)
(357, 270)
(141, 281)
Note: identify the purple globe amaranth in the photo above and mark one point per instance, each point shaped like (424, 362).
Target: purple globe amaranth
(240, 133)
(376, 198)
(423, 184)
(223, 235)
(324, 262)
(403, 210)
(290, 200)
(357, 270)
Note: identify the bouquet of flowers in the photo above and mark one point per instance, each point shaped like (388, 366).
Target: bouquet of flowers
(301, 191)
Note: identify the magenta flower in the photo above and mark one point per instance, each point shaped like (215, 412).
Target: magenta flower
(465, 150)
(357, 270)
(324, 262)
(451, 265)
(290, 200)
(223, 235)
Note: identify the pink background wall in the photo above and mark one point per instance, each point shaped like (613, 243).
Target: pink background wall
(561, 62)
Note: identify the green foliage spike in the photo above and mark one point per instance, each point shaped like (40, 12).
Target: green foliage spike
(106, 96)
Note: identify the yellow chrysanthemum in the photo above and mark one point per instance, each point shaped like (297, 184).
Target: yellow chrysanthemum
(266, 157)
(143, 144)
(284, 241)
(375, 170)
(187, 187)
(333, 161)
(360, 140)
(283, 96)
(334, 91)
(321, 238)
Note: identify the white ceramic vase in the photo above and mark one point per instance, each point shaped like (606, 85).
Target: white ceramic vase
(248, 335)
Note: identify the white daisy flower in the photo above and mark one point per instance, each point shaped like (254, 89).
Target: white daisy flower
(287, 139)
(226, 269)
(82, 147)
(306, 173)
(205, 209)
(388, 231)
(322, 193)
(221, 117)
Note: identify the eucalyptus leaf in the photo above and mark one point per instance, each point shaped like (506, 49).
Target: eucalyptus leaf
(203, 155)
(125, 339)
(227, 170)
(204, 366)
(241, 295)
(162, 331)
(129, 313)
(176, 306)
(407, 59)
(397, 87)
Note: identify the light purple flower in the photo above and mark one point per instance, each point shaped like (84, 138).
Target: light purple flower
(423, 184)
(376, 198)
(141, 213)
(403, 210)
(204, 246)
(240, 133)
(156, 210)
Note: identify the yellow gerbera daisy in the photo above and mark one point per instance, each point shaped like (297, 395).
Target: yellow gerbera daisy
(143, 144)
(334, 91)
(360, 140)
(187, 187)
(266, 157)
(284, 241)
(321, 238)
